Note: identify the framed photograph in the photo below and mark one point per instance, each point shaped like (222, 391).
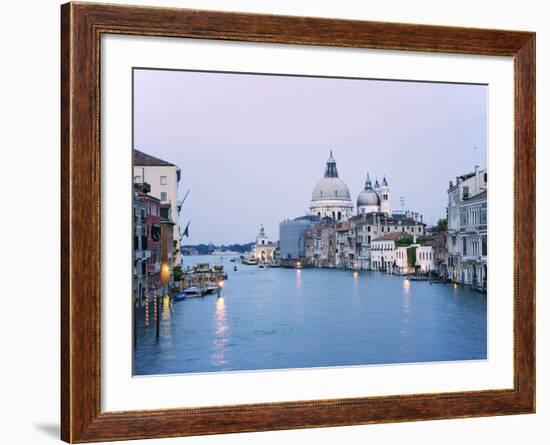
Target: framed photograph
(274, 222)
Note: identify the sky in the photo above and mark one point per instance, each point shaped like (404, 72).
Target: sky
(252, 147)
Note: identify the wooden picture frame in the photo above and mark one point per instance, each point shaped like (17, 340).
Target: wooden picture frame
(82, 25)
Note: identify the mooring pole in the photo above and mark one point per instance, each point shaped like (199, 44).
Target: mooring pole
(158, 314)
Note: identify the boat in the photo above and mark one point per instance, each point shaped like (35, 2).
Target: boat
(262, 266)
(193, 291)
(250, 261)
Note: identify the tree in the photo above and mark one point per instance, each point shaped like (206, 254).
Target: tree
(441, 226)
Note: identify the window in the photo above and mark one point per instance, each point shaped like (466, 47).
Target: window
(137, 179)
(465, 192)
(464, 250)
(163, 180)
(163, 196)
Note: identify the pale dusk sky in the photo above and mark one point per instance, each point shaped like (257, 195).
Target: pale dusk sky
(251, 147)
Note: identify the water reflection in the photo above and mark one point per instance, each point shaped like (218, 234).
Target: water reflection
(221, 337)
(298, 279)
(406, 305)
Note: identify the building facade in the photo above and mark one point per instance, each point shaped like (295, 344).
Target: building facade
(264, 249)
(147, 243)
(163, 179)
(292, 237)
(467, 229)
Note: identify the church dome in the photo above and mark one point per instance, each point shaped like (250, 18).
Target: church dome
(368, 197)
(330, 186)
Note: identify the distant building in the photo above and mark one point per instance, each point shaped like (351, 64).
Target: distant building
(321, 244)
(292, 237)
(264, 249)
(424, 259)
(384, 251)
(467, 229)
(331, 236)
(400, 253)
(163, 178)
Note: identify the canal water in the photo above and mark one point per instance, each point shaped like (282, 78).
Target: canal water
(279, 318)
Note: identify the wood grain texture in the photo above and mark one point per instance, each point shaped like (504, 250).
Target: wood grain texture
(81, 28)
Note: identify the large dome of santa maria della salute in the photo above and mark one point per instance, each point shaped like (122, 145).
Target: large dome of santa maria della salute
(331, 197)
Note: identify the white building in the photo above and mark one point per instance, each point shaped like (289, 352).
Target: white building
(264, 249)
(383, 252)
(163, 178)
(425, 259)
(331, 197)
(388, 255)
(467, 229)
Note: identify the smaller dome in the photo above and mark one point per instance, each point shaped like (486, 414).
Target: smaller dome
(368, 198)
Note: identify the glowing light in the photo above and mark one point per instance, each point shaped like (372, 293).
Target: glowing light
(165, 273)
(455, 286)
(355, 274)
(220, 283)
(406, 283)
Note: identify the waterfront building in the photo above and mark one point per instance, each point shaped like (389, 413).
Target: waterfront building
(348, 244)
(140, 249)
(147, 241)
(438, 241)
(331, 197)
(425, 259)
(331, 236)
(384, 250)
(264, 249)
(321, 244)
(163, 178)
(292, 237)
(467, 229)
(401, 254)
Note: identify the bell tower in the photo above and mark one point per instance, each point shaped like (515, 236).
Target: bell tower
(385, 197)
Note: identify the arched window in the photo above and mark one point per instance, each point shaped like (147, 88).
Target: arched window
(319, 214)
(333, 215)
(339, 216)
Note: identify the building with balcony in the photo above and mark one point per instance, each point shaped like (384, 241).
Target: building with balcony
(163, 179)
(147, 242)
(467, 230)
